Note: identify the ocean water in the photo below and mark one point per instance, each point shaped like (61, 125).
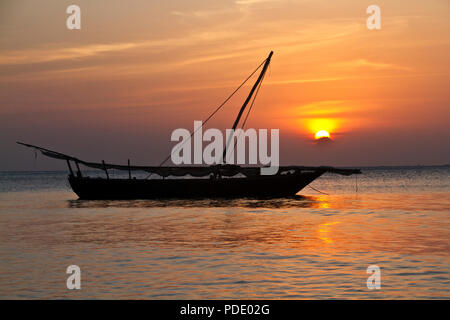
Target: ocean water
(313, 246)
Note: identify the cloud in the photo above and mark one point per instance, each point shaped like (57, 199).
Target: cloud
(312, 80)
(364, 63)
(47, 55)
(250, 2)
(40, 55)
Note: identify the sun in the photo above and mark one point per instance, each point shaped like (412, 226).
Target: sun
(321, 134)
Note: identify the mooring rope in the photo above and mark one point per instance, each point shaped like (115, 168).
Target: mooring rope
(318, 190)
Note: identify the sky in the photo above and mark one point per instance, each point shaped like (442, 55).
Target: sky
(137, 70)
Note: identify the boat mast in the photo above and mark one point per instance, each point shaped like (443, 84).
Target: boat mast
(238, 118)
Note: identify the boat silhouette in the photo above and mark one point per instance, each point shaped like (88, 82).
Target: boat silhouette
(215, 181)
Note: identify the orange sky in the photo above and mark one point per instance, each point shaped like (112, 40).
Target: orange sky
(139, 69)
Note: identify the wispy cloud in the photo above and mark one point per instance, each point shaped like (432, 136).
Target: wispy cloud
(329, 108)
(39, 55)
(250, 2)
(49, 54)
(311, 80)
(364, 63)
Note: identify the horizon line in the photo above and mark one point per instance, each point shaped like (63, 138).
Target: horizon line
(343, 167)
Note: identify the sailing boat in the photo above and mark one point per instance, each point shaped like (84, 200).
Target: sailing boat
(214, 181)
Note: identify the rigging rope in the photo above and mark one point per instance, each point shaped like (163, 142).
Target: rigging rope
(248, 112)
(215, 111)
(254, 98)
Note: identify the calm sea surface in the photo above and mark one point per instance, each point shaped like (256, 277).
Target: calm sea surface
(314, 246)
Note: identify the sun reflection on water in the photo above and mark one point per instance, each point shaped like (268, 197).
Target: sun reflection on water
(324, 231)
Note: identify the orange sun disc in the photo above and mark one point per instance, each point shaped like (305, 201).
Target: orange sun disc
(322, 134)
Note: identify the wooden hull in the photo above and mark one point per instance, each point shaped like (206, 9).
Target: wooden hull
(252, 187)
